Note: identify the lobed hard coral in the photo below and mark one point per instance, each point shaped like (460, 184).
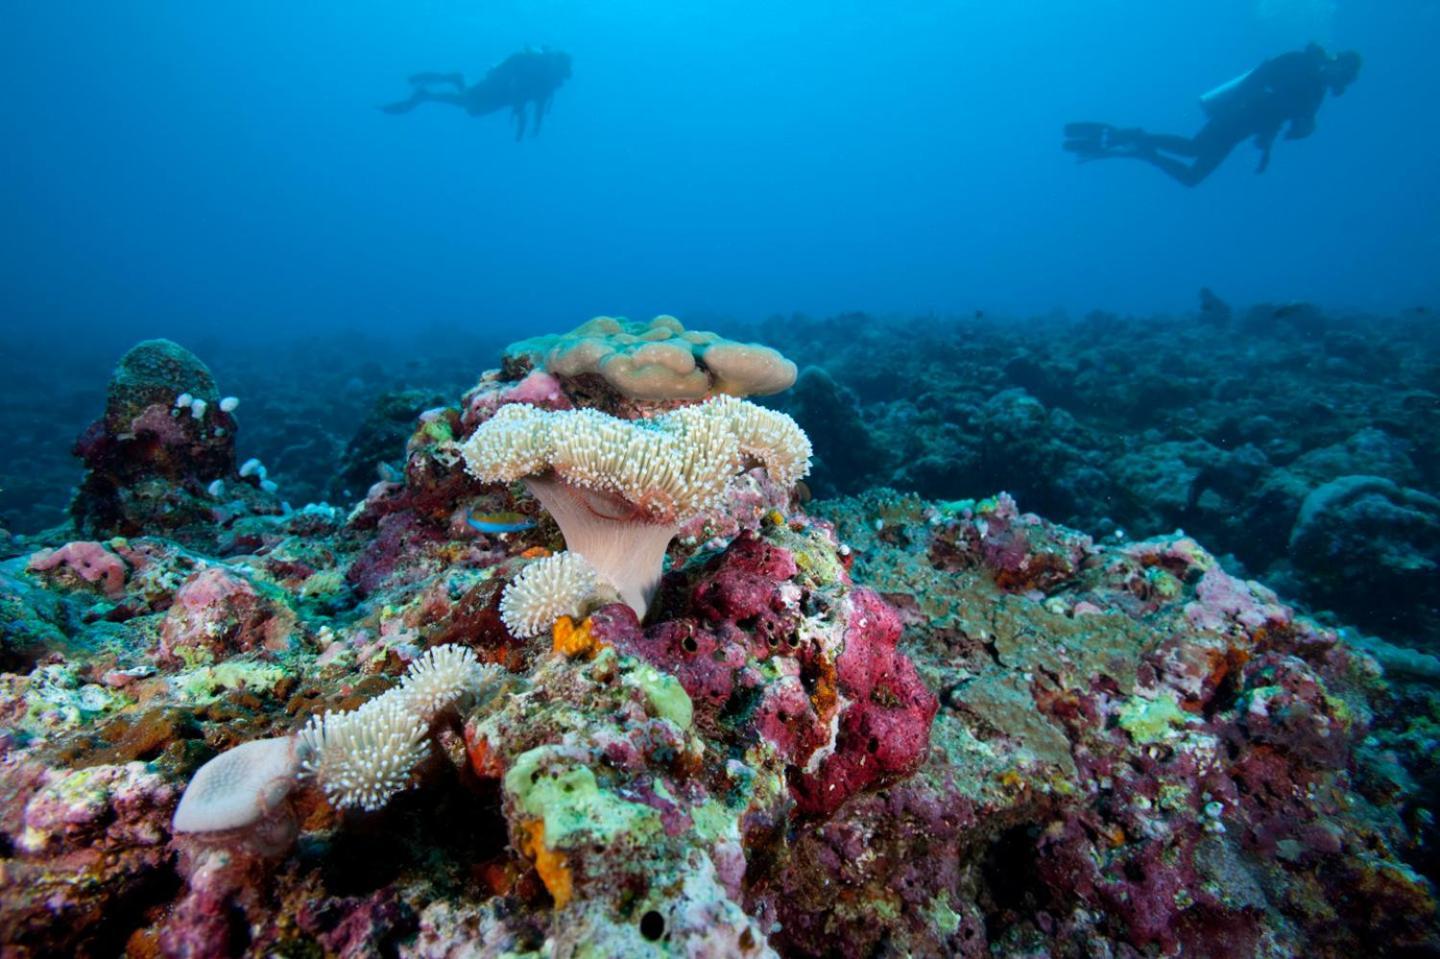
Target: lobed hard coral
(657, 361)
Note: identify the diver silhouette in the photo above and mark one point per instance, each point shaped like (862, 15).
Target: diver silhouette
(1284, 91)
(530, 76)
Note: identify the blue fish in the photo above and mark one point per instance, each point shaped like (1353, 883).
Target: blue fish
(500, 522)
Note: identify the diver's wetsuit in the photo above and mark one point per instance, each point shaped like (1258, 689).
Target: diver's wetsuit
(530, 76)
(1287, 89)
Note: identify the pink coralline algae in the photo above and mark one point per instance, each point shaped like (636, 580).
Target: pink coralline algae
(98, 807)
(85, 842)
(398, 538)
(841, 689)
(1024, 554)
(1221, 598)
(89, 561)
(351, 926)
(219, 613)
(885, 722)
(538, 388)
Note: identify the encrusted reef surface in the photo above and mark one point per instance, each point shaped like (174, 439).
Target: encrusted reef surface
(864, 726)
(1301, 443)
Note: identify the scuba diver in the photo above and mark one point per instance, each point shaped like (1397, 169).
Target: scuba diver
(1284, 91)
(530, 76)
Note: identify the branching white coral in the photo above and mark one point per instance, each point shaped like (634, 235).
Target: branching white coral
(619, 489)
(438, 679)
(358, 759)
(362, 758)
(559, 585)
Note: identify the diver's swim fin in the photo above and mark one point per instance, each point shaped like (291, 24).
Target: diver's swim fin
(1088, 149)
(402, 106)
(1086, 131)
(422, 79)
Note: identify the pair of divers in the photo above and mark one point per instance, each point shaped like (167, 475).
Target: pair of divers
(1283, 92)
(527, 79)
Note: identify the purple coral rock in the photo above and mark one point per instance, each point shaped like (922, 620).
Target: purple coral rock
(354, 927)
(221, 613)
(747, 588)
(398, 536)
(740, 607)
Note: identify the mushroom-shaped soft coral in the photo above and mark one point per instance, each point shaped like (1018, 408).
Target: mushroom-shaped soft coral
(620, 489)
(243, 790)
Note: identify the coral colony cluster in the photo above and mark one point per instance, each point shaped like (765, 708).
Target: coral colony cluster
(592, 677)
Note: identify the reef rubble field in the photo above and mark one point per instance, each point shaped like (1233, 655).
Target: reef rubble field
(586, 671)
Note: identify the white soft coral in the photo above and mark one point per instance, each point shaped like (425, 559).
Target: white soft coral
(620, 489)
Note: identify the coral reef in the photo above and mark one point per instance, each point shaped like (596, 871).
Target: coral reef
(871, 725)
(1222, 423)
(162, 457)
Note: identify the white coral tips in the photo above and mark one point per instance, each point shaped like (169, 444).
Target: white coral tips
(362, 758)
(436, 680)
(547, 589)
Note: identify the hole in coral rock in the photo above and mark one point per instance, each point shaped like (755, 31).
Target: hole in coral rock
(436, 832)
(740, 704)
(1225, 695)
(689, 645)
(1014, 887)
(652, 925)
(873, 745)
(748, 624)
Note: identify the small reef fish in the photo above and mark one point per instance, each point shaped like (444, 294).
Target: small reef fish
(500, 522)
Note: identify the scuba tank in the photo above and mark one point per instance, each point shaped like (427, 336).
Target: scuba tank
(1222, 97)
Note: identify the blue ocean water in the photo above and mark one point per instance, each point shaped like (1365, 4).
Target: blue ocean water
(174, 166)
